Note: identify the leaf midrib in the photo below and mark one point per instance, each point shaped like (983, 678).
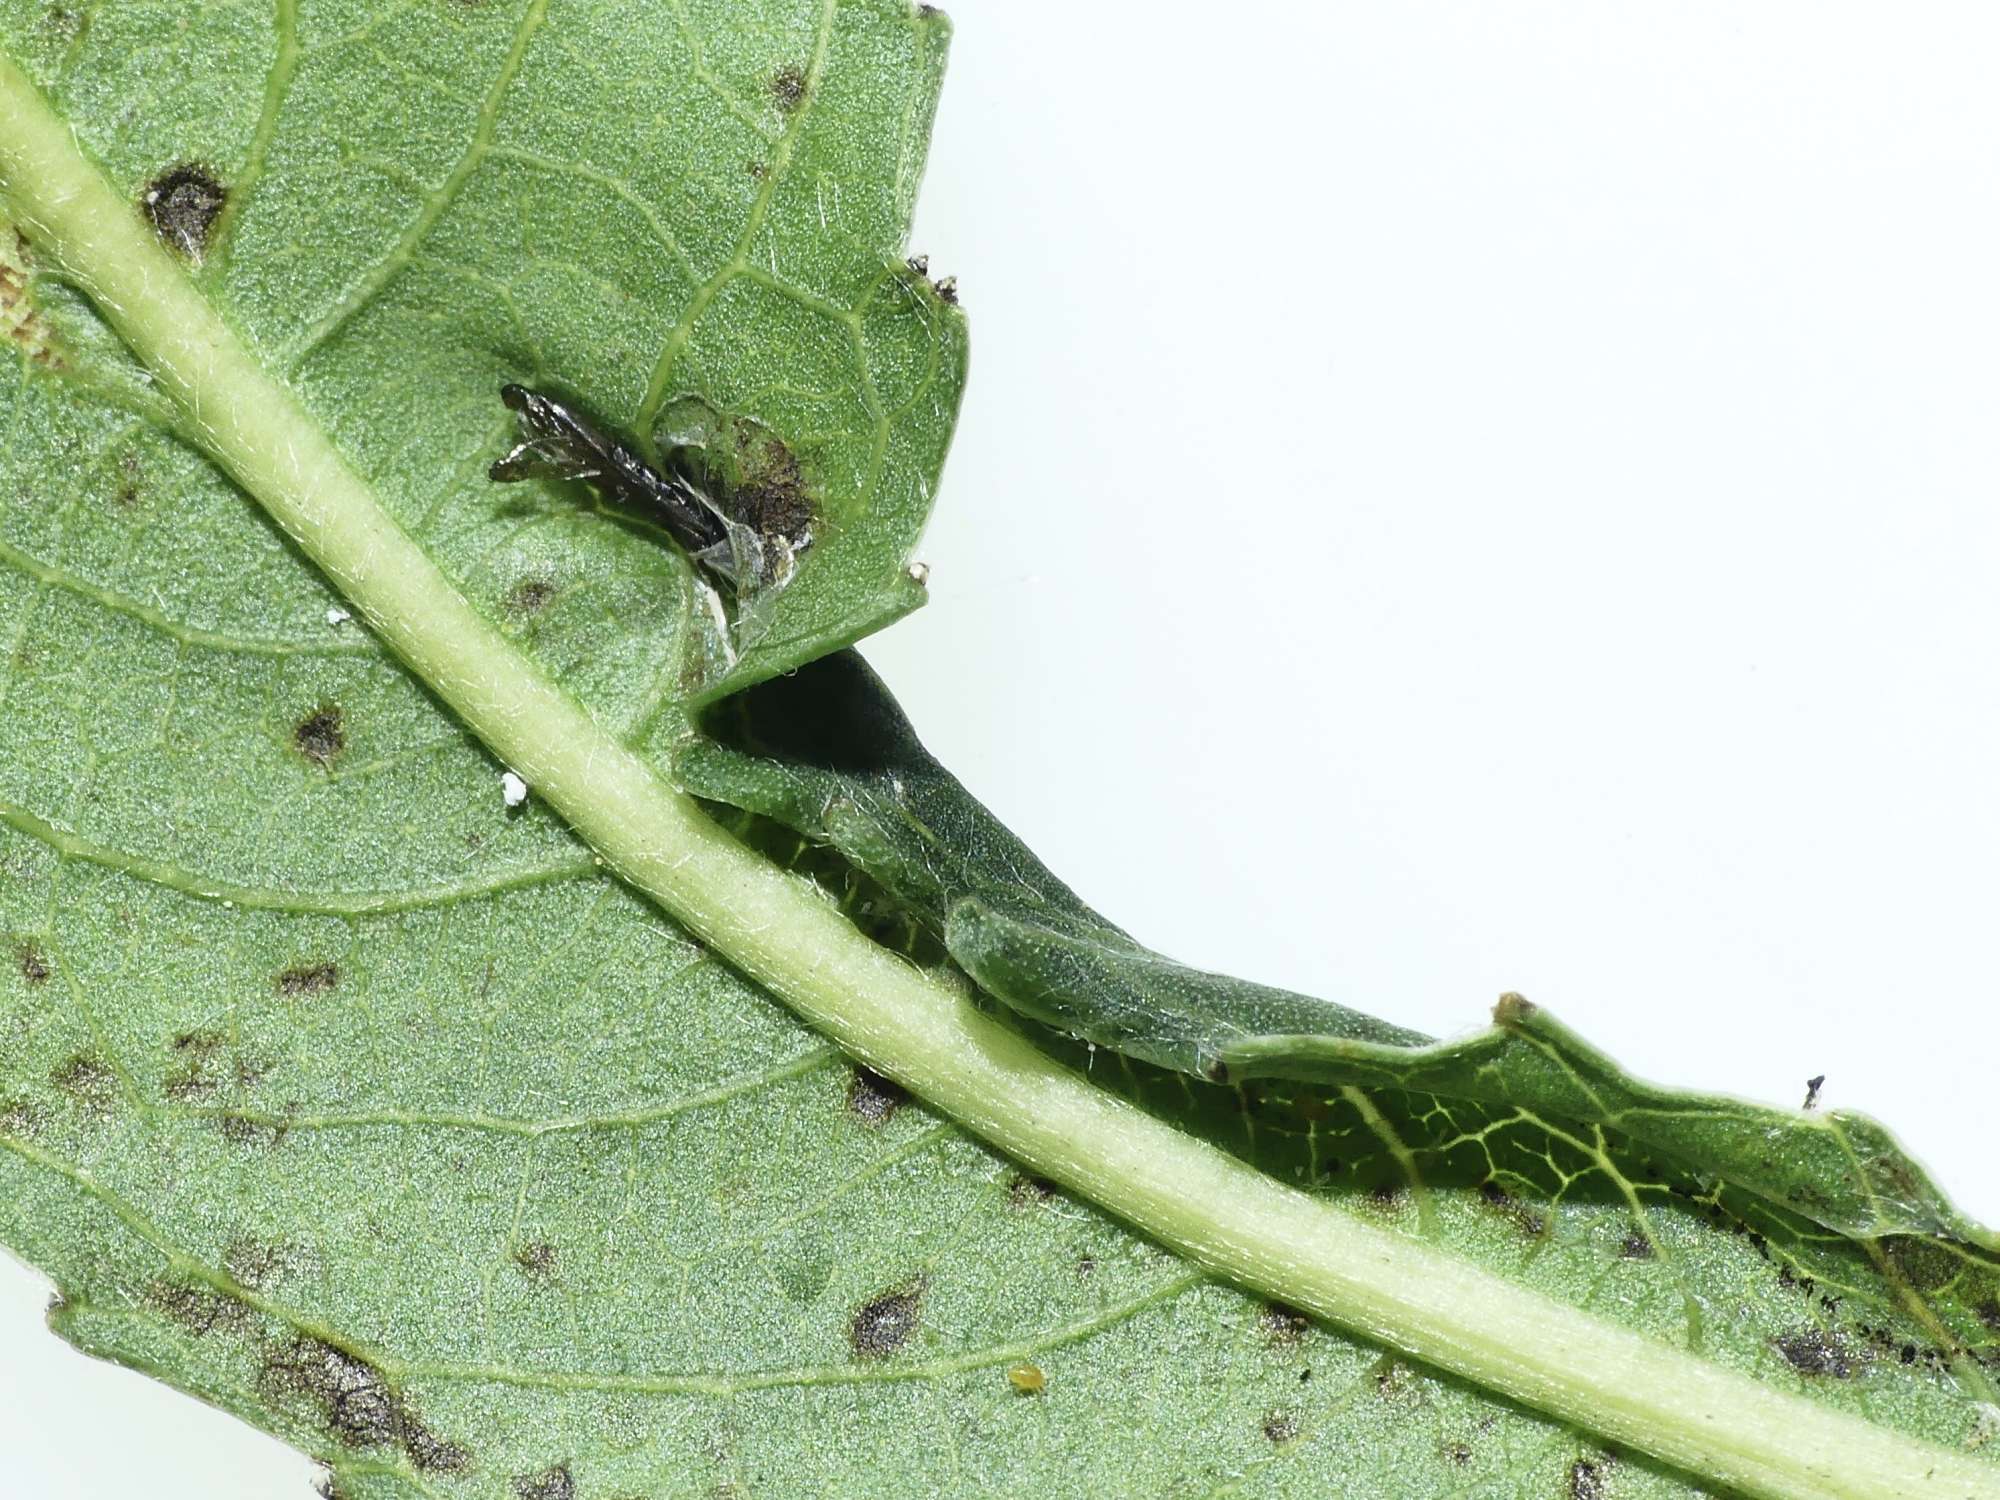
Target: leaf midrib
(1217, 1211)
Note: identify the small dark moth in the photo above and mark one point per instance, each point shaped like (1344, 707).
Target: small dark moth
(558, 442)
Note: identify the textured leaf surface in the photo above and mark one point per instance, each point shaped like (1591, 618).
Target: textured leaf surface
(336, 1093)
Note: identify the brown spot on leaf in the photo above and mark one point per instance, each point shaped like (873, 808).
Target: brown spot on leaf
(87, 1079)
(182, 204)
(788, 87)
(1815, 1351)
(302, 981)
(194, 1080)
(531, 595)
(34, 967)
(252, 1262)
(1282, 1326)
(197, 1309)
(772, 495)
(1029, 1192)
(1637, 1246)
(1527, 1220)
(354, 1402)
(1589, 1479)
(890, 1321)
(1456, 1454)
(247, 1130)
(873, 1099)
(1281, 1427)
(19, 1118)
(321, 735)
(550, 1484)
(1387, 1195)
(537, 1260)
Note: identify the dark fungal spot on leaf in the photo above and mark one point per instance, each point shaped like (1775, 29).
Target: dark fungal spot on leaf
(354, 1403)
(194, 1078)
(887, 1323)
(246, 1130)
(197, 1309)
(536, 1260)
(1456, 1454)
(182, 204)
(128, 491)
(1282, 1326)
(1280, 1427)
(19, 1118)
(1637, 1246)
(1527, 1220)
(321, 735)
(551, 1484)
(430, 1453)
(1029, 1192)
(873, 1099)
(1387, 1195)
(252, 1262)
(303, 981)
(33, 966)
(1395, 1381)
(530, 595)
(1818, 1352)
(788, 87)
(87, 1079)
(1588, 1480)
(772, 495)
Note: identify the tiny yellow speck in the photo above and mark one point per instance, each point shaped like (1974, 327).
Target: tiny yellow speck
(1028, 1380)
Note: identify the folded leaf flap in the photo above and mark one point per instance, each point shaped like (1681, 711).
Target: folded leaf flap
(1838, 1169)
(828, 753)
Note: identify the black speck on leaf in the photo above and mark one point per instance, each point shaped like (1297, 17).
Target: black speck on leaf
(34, 967)
(887, 1323)
(788, 87)
(1815, 1351)
(873, 1099)
(321, 735)
(87, 1079)
(304, 980)
(550, 1484)
(182, 204)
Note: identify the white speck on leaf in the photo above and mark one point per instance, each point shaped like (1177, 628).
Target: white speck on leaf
(513, 790)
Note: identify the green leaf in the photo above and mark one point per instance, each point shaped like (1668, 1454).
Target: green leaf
(471, 1149)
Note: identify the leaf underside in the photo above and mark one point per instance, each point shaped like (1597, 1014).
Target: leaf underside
(337, 1093)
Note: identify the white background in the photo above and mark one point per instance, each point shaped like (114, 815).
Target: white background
(1453, 498)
